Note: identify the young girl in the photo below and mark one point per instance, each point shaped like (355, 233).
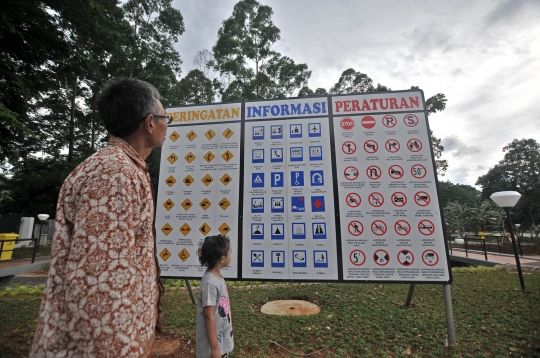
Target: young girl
(214, 328)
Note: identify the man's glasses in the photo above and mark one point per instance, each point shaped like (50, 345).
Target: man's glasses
(168, 118)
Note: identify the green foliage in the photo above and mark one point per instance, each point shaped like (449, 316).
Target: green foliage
(458, 193)
(195, 88)
(518, 171)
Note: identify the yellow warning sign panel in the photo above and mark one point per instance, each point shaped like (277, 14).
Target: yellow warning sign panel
(209, 157)
(226, 179)
(172, 158)
(227, 156)
(183, 255)
(228, 133)
(189, 157)
(165, 254)
(168, 204)
(166, 229)
(205, 229)
(224, 203)
(191, 135)
(170, 181)
(186, 204)
(174, 136)
(188, 180)
(205, 204)
(224, 229)
(185, 229)
(207, 180)
(210, 134)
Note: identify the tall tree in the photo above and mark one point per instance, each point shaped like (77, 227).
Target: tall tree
(243, 53)
(518, 171)
(195, 88)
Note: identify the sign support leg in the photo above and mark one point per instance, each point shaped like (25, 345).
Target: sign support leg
(449, 315)
(409, 296)
(188, 284)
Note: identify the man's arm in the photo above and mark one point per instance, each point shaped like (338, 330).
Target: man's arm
(211, 331)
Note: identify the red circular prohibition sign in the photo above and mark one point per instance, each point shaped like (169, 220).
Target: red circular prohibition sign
(353, 200)
(426, 227)
(381, 257)
(376, 199)
(355, 228)
(402, 227)
(378, 227)
(357, 257)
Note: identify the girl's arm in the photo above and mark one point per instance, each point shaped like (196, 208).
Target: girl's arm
(211, 330)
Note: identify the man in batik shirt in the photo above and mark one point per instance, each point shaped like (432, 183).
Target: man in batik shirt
(103, 296)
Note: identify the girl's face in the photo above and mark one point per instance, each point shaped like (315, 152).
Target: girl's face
(226, 260)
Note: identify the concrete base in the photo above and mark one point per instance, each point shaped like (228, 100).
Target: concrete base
(290, 308)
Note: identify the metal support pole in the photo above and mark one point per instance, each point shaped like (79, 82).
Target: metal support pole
(409, 296)
(466, 247)
(519, 245)
(518, 264)
(39, 237)
(449, 315)
(188, 284)
(485, 249)
(34, 252)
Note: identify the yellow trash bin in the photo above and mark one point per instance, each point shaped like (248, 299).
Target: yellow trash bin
(481, 234)
(7, 247)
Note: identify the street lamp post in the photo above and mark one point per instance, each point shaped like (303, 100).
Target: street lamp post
(518, 240)
(42, 218)
(507, 200)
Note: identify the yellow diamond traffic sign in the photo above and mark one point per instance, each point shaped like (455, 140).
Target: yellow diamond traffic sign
(207, 179)
(227, 156)
(188, 180)
(224, 229)
(224, 203)
(166, 229)
(209, 156)
(170, 181)
(172, 158)
(191, 135)
(185, 229)
(204, 229)
(186, 204)
(210, 134)
(189, 157)
(228, 133)
(205, 204)
(174, 136)
(183, 255)
(165, 254)
(168, 204)
(226, 179)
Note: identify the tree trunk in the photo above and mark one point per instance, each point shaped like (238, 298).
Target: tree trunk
(72, 123)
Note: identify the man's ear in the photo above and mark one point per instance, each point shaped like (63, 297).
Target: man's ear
(149, 123)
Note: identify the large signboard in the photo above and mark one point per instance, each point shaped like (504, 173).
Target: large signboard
(320, 188)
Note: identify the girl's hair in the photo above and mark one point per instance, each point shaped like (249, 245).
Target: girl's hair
(213, 249)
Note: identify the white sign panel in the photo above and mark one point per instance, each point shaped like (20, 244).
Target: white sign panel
(391, 226)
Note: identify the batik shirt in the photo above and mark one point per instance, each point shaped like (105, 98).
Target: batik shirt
(102, 293)
(213, 292)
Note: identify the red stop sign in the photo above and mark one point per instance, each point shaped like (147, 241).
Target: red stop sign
(346, 124)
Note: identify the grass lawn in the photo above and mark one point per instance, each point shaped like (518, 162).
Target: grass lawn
(492, 319)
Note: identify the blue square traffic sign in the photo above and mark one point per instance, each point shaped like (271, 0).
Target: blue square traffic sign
(297, 178)
(316, 177)
(258, 133)
(257, 180)
(276, 179)
(299, 258)
(276, 155)
(278, 258)
(257, 156)
(298, 204)
(257, 205)
(298, 230)
(277, 231)
(297, 154)
(278, 204)
(295, 130)
(318, 230)
(314, 129)
(257, 258)
(317, 204)
(276, 132)
(315, 152)
(257, 231)
(320, 258)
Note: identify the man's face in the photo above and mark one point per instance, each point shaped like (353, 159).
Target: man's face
(161, 127)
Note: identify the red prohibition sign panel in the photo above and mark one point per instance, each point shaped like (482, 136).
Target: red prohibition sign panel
(389, 121)
(402, 227)
(418, 171)
(353, 200)
(376, 199)
(357, 257)
(371, 146)
(351, 173)
(355, 228)
(414, 145)
(368, 122)
(422, 198)
(426, 227)
(378, 227)
(410, 120)
(395, 171)
(373, 172)
(405, 258)
(392, 145)
(430, 257)
(399, 199)
(348, 147)
(346, 124)
(381, 257)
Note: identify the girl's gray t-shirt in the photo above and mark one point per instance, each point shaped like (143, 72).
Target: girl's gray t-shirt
(213, 292)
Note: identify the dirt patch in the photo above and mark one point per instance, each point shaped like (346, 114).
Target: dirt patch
(172, 346)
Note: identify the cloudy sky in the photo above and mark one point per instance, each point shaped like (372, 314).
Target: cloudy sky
(484, 55)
